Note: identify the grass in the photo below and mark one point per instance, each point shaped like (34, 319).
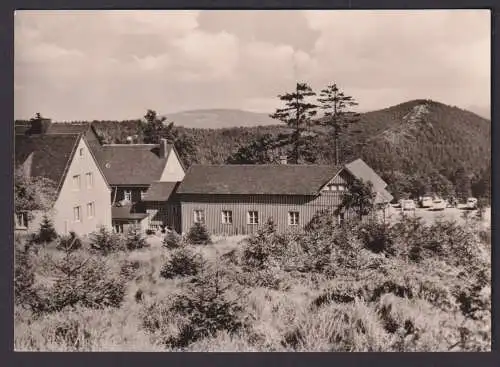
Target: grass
(361, 309)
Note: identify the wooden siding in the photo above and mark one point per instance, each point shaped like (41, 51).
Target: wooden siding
(276, 207)
(164, 214)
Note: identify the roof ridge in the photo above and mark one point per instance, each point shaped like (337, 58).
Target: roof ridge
(265, 165)
(129, 145)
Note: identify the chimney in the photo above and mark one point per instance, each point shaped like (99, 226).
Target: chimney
(283, 159)
(163, 148)
(39, 126)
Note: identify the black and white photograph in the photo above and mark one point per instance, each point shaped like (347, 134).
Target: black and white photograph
(252, 180)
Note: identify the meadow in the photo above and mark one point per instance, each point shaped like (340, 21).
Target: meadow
(410, 285)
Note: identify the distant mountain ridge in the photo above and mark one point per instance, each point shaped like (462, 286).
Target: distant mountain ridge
(219, 118)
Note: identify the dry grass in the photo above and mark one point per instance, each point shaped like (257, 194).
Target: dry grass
(281, 319)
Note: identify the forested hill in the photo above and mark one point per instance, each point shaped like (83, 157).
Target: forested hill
(419, 140)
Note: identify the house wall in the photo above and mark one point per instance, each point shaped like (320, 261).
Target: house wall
(164, 214)
(69, 197)
(268, 206)
(173, 171)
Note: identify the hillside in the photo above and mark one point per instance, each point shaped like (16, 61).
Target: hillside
(419, 139)
(219, 118)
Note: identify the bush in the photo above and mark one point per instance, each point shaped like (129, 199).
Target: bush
(377, 238)
(260, 247)
(172, 240)
(134, 239)
(46, 233)
(207, 308)
(24, 275)
(70, 242)
(198, 235)
(106, 242)
(184, 262)
(87, 282)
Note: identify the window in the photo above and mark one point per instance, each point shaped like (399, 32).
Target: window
(76, 214)
(293, 218)
(81, 152)
(340, 218)
(76, 182)
(143, 194)
(118, 227)
(90, 179)
(199, 216)
(227, 217)
(90, 210)
(21, 220)
(253, 217)
(128, 195)
(341, 187)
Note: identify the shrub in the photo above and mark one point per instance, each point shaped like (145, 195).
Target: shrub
(183, 262)
(198, 235)
(172, 240)
(377, 238)
(106, 242)
(70, 242)
(323, 220)
(207, 308)
(88, 282)
(24, 275)
(134, 239)
(46, 233)
(80, 279)
(129, 269)
(260, 247)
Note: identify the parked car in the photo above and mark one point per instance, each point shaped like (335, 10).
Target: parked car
(438, 204)
(426, 202)
(407, 205)
(471, 203)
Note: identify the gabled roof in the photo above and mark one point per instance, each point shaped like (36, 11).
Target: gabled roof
(160, 191)
(256, 179)
(361, 170)
(49, 155)
(131, 164)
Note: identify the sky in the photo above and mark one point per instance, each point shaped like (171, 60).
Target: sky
(85, 65)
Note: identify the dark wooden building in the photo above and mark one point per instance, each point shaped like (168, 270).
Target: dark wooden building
(239, 199)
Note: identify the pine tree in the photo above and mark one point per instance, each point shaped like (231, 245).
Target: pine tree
(297, 114)
(135, 240)
(337, 115)
(198, 235)
(47, 232)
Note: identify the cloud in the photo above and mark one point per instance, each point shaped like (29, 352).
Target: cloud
(116, 64)
(425, 52)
